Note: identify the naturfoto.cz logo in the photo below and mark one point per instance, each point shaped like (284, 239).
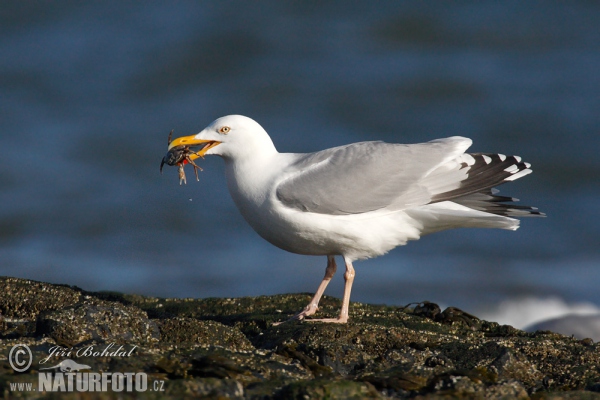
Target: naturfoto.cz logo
(67, 375)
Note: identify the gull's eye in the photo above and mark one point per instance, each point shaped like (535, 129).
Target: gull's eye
(224, 130)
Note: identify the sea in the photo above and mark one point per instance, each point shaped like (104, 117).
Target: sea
(89, 92)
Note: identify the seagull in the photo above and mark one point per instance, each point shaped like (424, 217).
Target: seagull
(356, 201)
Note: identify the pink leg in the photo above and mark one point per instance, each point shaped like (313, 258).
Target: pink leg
(313, 306)
(349, 278)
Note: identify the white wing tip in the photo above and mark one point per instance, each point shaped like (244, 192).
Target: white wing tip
(519, 174)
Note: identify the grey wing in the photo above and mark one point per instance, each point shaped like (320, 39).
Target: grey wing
(369, 176)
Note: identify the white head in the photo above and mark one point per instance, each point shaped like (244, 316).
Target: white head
(231, 137)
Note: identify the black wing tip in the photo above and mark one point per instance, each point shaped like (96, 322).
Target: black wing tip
(488, 201)
(484, 171)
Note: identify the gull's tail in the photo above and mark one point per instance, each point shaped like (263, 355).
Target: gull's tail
(488, 201)
(474, 203)
(483, 172)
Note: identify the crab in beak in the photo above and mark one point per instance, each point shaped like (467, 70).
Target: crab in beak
(180, 152)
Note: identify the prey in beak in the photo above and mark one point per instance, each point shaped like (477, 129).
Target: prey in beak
(180, 153)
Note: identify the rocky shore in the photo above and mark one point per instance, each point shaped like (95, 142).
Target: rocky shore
(229, 348)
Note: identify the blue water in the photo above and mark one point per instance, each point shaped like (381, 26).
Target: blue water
(89, 92)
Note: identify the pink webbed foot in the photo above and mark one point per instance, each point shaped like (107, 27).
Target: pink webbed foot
(339, 320)
(308, 311)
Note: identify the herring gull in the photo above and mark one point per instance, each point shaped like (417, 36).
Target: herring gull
(356, 201)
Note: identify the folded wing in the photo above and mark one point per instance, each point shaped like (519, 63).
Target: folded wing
(369, 176)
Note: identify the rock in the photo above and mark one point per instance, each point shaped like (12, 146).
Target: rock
(229, 348)
(510, 389)
(328, 389)
(208, 388)
(25, 299)
(93, 319)
(515, 366)
(189, 331)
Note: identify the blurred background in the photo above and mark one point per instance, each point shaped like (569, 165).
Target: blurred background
(90, 90)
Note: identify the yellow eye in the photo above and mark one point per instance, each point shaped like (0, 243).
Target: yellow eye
(224, 130)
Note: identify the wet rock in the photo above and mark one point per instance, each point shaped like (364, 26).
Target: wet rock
(459, 385)
(514, 366)
(396, 381)
(511, 389)
(594, 387)
(427, 309)
(208, 388)
(439, 361)
(229, 348)
(24, 299)
(452, 314)
(190, 331)
(330, 389)
(97, 320)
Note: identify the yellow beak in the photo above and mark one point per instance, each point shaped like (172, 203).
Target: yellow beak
(192, 141)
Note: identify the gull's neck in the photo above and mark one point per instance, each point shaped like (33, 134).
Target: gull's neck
(252, 170)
